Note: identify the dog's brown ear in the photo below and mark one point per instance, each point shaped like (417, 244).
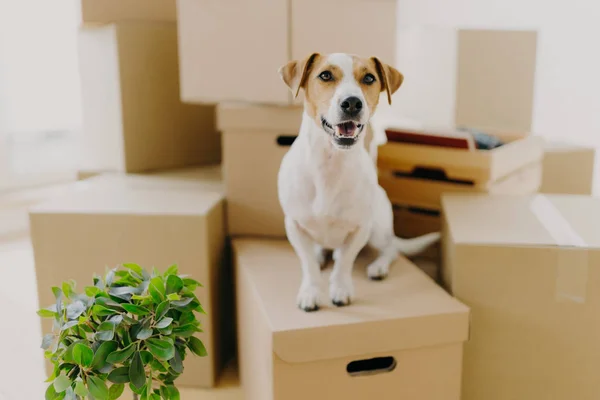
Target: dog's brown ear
(390, 77)
(294, 73)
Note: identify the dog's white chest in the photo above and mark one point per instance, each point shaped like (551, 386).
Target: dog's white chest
(329, 201)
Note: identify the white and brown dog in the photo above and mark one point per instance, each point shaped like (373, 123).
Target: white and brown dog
(327, 182)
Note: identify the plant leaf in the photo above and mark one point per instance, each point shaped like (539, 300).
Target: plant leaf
(174, 284)
(135, 268)
(57, 292)
(61, 383)
(172, 270)
(173, 393)
(92, 291)
(119, 375)
(161, 349)
(47, 341)
(197, 346)
(144, 334)
(157, 289)
(74, 310)
(186, 330)
(67, 289)
(68, 325)
(173, 297)
(110, 277)
(81, 390)
(97, 388)
(176, 363)
(83, 355)
(46, 313)
(121, 356)
(102, 311)
(162, 309)
(192, 284)
(102, 353)
(136, 310)
(139, 391)
(104, 335)
(163, 323)
(116, 319)
(51, 393)
(115, 391)
(147, 357)
(183, 303)
(136, 371)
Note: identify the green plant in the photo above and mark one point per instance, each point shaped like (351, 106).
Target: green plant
(131, 327)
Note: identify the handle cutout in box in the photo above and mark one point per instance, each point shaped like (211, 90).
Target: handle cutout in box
(371, 366)
(286, 140)
(431, 174)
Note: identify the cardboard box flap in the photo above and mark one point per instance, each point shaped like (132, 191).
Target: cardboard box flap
(247, 117)
(537, 220)
(139, 195)
(407, 310)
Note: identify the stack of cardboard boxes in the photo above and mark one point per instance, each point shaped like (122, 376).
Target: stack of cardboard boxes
(186, 122)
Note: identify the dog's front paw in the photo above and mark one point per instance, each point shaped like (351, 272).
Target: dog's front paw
(378, 270)
(309, 298)
(341, 293)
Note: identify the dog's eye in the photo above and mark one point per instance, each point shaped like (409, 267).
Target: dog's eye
(368, 79)
(325, 76)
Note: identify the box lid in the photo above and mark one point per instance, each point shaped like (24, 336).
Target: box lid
(249, 117)
(536, 220)
(407, 310)
(135, 195)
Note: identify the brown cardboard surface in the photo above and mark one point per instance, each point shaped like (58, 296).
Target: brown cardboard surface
(133, 119)
(568, 168)
(496, 78)
(479, 166)
(112, 219)
(425, 193)
(127, 10)
(534, 297)
(406, 316)
(236, 67)
(252, 154)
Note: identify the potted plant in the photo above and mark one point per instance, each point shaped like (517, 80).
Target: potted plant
(131, 328)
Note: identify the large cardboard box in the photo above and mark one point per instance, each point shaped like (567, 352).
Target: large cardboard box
(568, 168)
(133, 119)
(255, 139)
(468, 77)
(127, 10)
(529, 269)
(400, 338)
(222, 44)
(108, 220)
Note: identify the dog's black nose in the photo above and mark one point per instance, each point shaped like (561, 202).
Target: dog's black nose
(351, 106)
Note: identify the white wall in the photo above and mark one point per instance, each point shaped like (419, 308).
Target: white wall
(39, 85)
(567, 92)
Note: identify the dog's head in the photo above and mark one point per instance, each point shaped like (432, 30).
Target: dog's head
(341, 91)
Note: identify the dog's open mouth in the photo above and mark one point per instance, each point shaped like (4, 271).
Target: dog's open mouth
(345, 134)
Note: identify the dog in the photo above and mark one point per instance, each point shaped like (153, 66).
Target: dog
(327, 181)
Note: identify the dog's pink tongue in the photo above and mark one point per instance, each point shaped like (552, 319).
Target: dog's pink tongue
(347, 128)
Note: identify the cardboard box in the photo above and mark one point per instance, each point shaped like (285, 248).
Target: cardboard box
(127, 10)
(476, 166)
(529, 269)
(411, 222)
(401, 338)
(133, 119)
(568, 168)
(427, 193)
(236, 67)
(482, 78)
(108, 220)
(255, 139)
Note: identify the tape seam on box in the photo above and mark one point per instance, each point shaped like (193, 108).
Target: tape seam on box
(572, 262)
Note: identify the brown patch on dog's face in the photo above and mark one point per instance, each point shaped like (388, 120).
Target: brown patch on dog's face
(320, 88)
(371, 85)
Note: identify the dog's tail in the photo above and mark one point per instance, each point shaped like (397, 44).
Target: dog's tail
(414, 246)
